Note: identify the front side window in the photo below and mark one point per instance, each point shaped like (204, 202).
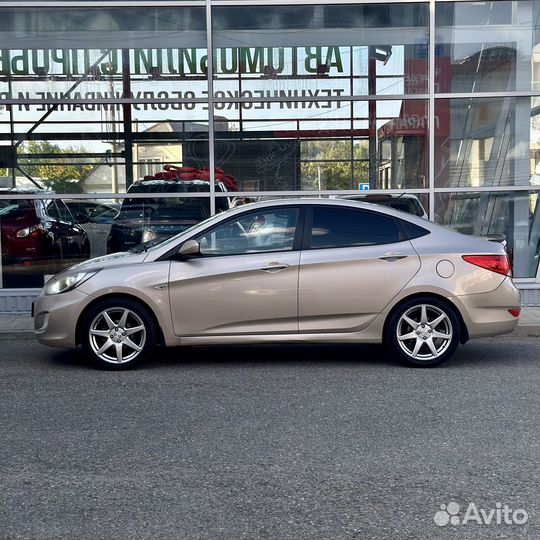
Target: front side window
(63, 212)
(347, 227)
(255, 232)
(52, 210)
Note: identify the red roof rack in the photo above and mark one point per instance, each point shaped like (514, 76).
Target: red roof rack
(175, 173)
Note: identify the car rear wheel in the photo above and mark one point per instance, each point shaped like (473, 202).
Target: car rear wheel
(423, 332)
(118, 334)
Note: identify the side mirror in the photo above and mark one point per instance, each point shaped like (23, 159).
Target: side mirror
(189, 249)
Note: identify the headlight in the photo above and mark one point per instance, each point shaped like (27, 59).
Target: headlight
(148, 235)
(66, 282)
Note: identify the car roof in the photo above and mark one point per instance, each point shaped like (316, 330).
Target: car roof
(90, 201)
(146, 186)
(346, 203)
(27, 191)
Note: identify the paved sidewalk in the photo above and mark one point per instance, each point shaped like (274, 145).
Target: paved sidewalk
(17, 323)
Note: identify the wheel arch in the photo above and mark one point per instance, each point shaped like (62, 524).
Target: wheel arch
(119, 296)
(464, 331)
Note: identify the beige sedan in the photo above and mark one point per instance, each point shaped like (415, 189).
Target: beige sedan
(287, 271)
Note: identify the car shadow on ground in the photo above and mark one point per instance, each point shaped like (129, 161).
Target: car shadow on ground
(486, 353)
(245, 355)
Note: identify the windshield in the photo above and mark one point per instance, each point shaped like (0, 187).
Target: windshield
(178, 208)
(410, 206)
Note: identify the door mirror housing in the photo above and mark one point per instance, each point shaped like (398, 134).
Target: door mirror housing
(190, 248)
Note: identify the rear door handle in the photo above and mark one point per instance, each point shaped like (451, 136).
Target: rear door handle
(274, 267)
(392, 257)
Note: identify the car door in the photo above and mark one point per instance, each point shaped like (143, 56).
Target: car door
(74, 233)
(353, 263)
(81, 215)
(101, 218)
(245, 279)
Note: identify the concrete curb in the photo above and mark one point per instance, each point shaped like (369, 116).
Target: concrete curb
(526, 330)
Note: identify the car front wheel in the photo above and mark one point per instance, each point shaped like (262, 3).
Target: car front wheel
(423, 332)
(118, 334)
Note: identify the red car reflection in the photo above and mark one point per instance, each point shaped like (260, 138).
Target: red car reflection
(39, 235)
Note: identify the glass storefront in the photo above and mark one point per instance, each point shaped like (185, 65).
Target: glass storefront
(117, 127)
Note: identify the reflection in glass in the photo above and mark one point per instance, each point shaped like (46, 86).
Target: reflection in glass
(84, 54)
(256, 232)
(485, 142)
(320, 51)
(516, 216)
(41, 237)
(486, 46)
(38, 237)
(96, 160)
(287, 146)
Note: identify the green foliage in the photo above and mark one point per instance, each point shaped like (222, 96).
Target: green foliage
(59, 174)
(331, 164)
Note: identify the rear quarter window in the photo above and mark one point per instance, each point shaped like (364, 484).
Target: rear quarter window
(412, 231)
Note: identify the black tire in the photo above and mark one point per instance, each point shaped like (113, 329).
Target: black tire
(426, 338)
(121, 334)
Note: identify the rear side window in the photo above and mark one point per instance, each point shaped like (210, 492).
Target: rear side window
(411, 230)
(346, 227)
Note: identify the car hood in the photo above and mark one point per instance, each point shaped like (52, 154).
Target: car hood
(108, 261)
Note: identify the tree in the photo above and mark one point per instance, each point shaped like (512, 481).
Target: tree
(330, 162)
(59, 174)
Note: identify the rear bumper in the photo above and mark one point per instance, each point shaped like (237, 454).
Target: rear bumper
(487, 314)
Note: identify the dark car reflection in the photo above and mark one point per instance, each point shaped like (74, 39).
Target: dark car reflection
(38, 237)
(152, 219)
(96, 218)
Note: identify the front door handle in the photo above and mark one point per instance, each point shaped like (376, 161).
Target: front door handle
(274, 267)
(392, 257)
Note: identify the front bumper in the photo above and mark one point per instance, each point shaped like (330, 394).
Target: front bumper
(55, 317)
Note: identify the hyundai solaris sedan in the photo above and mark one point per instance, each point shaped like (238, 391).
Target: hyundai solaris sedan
(331, 271)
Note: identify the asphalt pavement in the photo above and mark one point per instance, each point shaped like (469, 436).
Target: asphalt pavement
(277, 442)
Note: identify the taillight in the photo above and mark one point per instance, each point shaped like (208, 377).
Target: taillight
(32, 231)
(514, 312)
(496, 263)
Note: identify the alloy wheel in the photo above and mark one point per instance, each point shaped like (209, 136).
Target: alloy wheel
(424, 332)
(117, 335)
